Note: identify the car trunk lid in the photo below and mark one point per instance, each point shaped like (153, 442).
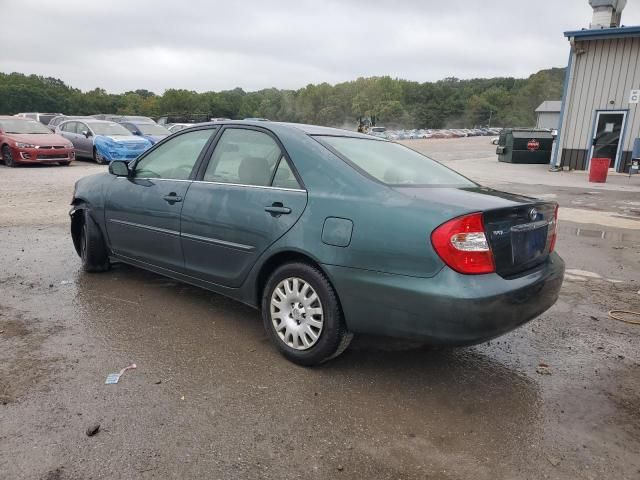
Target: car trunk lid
(521, 236)
(519, 229)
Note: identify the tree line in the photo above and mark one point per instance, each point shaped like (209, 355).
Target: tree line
(448, 103)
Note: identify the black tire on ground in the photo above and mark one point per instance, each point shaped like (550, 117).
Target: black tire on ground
(334, 337)
(98, 158)
(93, 250)
(7, 156)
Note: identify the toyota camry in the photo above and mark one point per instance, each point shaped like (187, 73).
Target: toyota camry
(329, 233)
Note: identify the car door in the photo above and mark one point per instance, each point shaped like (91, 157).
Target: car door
(244, 199)
(85, 143)
(142, 211)
(68, 131)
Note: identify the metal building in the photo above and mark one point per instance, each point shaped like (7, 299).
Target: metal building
(599, 113)
(548, 114)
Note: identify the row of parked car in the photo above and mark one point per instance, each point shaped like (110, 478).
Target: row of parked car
(429, 133)
(28, 138)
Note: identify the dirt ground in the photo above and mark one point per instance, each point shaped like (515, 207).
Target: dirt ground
(211, 398)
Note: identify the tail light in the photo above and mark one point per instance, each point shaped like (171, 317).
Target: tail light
(462, 244)
(554, 231)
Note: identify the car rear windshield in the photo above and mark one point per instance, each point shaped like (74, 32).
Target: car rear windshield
(110, 129)
(46, 118)
(20, 125)
(394, 164)
(152, 129)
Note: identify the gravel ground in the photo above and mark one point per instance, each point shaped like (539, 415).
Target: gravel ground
(210, 397)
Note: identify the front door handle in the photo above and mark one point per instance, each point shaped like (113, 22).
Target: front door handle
(277, 209)
(172, 198)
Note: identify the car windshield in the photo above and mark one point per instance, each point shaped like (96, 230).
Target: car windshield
(152, 129)
(394, 164)
(110, 129)
(20, 125)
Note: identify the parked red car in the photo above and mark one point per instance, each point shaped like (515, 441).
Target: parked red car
(24, 141)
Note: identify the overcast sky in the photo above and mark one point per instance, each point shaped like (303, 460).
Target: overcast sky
(205, 45)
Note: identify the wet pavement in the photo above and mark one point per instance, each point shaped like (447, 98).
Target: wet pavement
(557, 398)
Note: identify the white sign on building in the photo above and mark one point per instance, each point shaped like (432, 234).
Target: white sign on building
(634, 96)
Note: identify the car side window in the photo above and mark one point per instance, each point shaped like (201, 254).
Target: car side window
(70, 127)
(175, 158)
(244, 157)
(284, 177)
(81, 127)
(129, 127)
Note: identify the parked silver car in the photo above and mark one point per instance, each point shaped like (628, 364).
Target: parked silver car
(43, 118)
(101, 140)
(58, 119)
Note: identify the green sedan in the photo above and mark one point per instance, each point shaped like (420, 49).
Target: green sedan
(329, 233)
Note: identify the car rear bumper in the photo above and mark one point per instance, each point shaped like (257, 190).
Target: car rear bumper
(450, 308)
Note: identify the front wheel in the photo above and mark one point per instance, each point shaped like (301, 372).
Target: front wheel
(302, 315)
(98, 157)
(7, 156)
(92, 248)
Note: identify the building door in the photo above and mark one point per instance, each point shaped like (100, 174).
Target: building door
(607, 136)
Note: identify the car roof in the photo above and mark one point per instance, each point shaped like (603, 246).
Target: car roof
(93, 120)
(13, 117)
(139, 122)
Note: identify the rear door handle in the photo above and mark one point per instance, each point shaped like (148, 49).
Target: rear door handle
(172, 198)
(277, 209)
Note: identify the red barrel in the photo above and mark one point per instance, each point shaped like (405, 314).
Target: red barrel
(598, 170)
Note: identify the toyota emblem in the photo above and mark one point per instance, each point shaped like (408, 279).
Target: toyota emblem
(533, 214)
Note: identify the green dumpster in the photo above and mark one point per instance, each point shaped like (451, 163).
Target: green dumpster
(519, 145)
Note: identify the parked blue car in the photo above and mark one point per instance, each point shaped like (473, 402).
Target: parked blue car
(102, 140)
(149, 130)
(327, 232)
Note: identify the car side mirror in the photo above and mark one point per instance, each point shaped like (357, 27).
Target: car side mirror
(119, 169)
(137, 133)
(86, 133)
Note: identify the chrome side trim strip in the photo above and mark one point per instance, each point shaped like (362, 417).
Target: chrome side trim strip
(221, 243)
(252, 186)
(197, 238)
(268, 187)
(145, 227)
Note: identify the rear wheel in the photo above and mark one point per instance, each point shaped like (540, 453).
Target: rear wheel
(7, 156)
(98, 157)
(92, 248)
(302, 315)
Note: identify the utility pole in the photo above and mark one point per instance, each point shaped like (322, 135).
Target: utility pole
(490, 113)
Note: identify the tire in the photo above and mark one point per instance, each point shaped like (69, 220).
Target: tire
(98, 158)
(7, 156)
(64, 164)
(291, 328)
(93, 250)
